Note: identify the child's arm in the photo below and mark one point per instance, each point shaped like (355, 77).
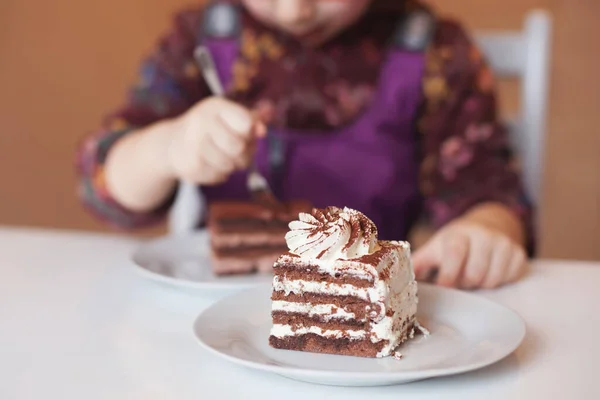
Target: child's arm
(136, 171)
(204, 146)
(128, 169)
(469, 179)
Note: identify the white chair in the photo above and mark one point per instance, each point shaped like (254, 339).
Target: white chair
(526, 55)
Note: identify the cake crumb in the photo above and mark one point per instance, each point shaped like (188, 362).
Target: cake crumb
(422, 330)
(397, 355)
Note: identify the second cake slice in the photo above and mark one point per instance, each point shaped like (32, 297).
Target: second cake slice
(247, 237)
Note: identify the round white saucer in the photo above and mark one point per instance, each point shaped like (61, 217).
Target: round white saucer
(467, 332)
(184, 262)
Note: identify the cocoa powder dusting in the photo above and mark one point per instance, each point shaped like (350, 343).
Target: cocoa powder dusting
(318, 214)
(321, 254)
(355, 233)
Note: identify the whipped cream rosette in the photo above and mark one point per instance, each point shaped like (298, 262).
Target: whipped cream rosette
(332, 234)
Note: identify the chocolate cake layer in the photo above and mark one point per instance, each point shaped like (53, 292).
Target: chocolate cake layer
(221, 239)
(247, 251)
(315, 268)
(225, 212)
(312, 274)
(303, 320)
(360, 308)
(242, 264)
(318, 344)
(249, 227)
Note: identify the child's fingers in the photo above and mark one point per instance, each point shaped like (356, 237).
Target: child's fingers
(208, 174)
(501, 258)
(236, 118)
(517, 265)
(259, 130)
(230, 144)
(197, 170)
(217, 158)
(425, 259)
(478, 261)
(241, 151)
(455, 248)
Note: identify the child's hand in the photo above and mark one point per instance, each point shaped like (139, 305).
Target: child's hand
(213, 139)
(470, 255)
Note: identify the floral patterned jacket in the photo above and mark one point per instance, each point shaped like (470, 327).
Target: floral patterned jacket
(462, 142)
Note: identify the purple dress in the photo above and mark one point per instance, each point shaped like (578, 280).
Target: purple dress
(370, 165)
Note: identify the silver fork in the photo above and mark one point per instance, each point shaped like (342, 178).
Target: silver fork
(257, 184)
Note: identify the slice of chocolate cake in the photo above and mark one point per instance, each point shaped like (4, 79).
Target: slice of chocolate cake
(248, 237)
(341, 291)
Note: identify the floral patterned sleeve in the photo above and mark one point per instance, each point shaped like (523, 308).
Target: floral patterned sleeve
(467, 159)
(167, 84)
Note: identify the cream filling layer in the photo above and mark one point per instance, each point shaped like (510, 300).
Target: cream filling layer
(326, 311)
(376, 293)
(281, 331)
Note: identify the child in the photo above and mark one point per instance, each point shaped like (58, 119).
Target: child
(373, 104)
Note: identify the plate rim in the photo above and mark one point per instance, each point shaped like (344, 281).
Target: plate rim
(184, 283)
(290, 371)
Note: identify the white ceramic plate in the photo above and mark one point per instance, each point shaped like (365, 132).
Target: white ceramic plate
(184, 262)
(467, 332)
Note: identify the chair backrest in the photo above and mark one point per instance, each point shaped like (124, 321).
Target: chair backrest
(525, 54)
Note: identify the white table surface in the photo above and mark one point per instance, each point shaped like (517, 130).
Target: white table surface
(76, 322)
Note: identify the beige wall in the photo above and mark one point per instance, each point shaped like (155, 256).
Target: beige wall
(64, 62)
